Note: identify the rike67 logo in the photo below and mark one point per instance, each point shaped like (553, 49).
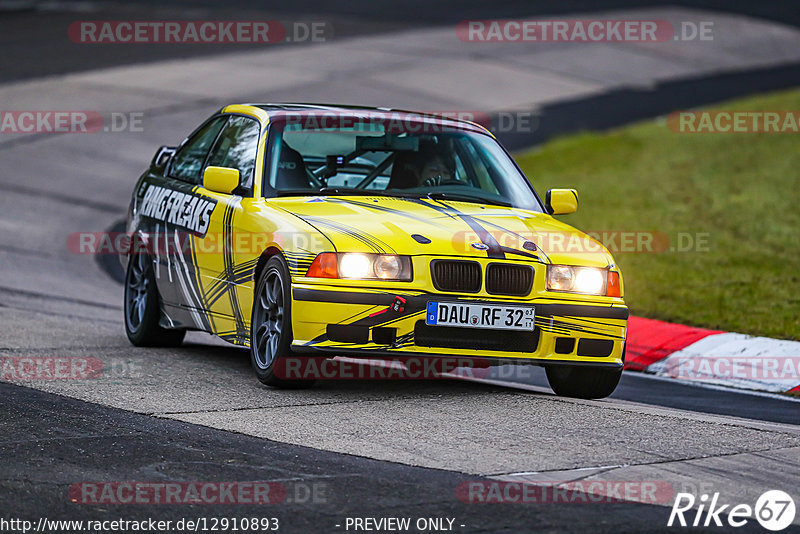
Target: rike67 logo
(774, 510)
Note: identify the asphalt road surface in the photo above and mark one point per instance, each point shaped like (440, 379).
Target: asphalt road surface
(31, 30)
(373, 448)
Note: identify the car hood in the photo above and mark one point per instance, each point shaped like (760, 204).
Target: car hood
(444, 228)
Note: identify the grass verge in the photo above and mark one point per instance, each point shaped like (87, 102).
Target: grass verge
(739, 192)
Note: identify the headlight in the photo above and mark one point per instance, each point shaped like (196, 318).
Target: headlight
(560, 278)
(591, 281)
(586, 280)
(357, 266)
(388, 267)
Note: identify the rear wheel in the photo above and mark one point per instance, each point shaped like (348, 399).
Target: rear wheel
(143, 309)
(583, 382)
(271, 326)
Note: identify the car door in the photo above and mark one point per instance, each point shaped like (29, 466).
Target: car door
(225, 256)
(175, 212)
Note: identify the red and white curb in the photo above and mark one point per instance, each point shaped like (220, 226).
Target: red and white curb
(712, 356)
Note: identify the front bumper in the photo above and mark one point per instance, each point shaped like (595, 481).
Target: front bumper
(368, 322)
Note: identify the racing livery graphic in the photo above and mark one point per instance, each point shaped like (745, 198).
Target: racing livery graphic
(188, 211)
(303, 230)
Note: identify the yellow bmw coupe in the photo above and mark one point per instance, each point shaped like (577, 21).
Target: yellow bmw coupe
(303, 230)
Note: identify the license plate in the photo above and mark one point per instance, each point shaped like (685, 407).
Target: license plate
(469, 315)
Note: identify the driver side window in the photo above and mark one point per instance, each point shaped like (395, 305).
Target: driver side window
(188, 162)
(236, 148)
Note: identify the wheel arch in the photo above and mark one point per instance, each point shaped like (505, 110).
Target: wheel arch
(265, 256)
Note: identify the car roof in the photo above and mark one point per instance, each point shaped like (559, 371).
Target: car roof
(275, 110)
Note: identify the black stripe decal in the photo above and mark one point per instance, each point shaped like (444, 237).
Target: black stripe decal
(344, 297)
(495, 251)
(578, 310)
(375, 244)
(420, 301)
(241, 331)
(385, 209)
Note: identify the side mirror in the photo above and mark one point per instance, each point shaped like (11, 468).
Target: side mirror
(221, 179)
(561, 201)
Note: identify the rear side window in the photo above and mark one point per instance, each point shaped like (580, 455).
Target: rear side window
(236, 148)
(188, 162)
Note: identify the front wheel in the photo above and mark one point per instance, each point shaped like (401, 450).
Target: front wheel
(271, 326)
(582, 382)
(143, 309)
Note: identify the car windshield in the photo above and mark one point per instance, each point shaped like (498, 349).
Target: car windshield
(370, 159)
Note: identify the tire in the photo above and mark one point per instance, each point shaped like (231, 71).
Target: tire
(582, 382)
(271, 325)
(143, 307)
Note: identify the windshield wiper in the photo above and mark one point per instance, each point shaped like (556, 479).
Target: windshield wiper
(460, 197)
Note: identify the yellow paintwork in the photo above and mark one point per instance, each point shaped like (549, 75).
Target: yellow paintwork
(243, 229)
(220, 179)
(252, 111)
(563, 201)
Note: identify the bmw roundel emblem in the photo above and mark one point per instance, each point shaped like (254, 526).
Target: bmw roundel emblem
(479, 246)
